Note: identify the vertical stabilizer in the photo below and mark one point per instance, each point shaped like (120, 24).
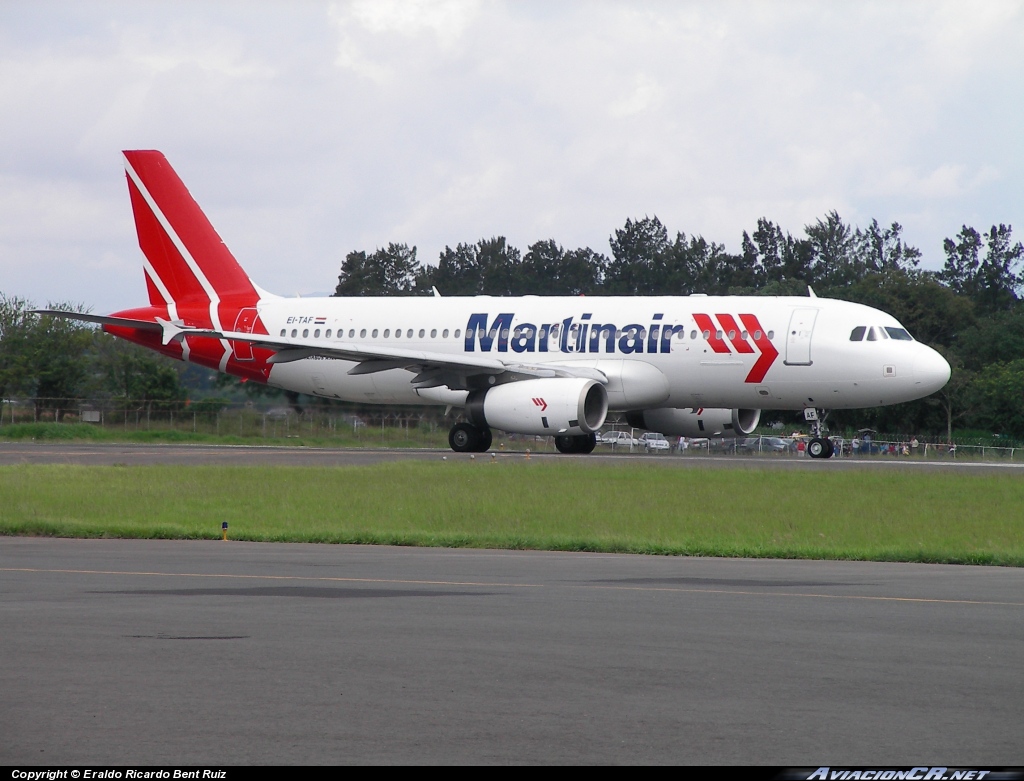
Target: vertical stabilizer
(187, 264)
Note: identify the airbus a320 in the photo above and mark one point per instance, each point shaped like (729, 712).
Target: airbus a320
(681, 365)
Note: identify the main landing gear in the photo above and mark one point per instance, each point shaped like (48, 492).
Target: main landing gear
(467, 438)
(582, 444)
(820, 446)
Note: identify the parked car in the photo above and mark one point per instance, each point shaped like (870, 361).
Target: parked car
(654, 441)
(764, 445)
(621, 438)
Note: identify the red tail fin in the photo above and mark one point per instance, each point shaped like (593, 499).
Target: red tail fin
(188, 265)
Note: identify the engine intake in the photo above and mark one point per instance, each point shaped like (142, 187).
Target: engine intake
(560, 405)
(696, 422)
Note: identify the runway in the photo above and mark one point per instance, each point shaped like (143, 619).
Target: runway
(17, 452)
(149, 652)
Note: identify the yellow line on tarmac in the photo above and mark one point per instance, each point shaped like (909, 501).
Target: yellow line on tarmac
(496, 584)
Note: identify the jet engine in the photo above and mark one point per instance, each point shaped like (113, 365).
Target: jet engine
(558, 405)
(696, 422)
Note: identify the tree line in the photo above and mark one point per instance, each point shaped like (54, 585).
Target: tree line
(970, 309)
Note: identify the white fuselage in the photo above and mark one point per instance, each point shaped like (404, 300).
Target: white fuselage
(693, 351)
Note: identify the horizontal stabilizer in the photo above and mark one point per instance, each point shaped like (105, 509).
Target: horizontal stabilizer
(123, 322)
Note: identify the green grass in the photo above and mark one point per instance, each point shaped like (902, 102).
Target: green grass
(253, 433)
(640, 508)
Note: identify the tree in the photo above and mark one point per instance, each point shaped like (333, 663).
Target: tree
(994, 338)
(56, 347)
(390, 271)
(836, 263)
(547, 269)
(990, 281)
(15, 325)
(133, 374)
(996, 396)
(489, 267)
(780, 264)
(880, 250)
(638, 258)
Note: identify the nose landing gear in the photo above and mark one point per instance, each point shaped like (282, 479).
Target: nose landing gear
(820, 446)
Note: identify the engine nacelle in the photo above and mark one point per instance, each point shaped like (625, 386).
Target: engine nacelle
(559, 405)
(696, 422)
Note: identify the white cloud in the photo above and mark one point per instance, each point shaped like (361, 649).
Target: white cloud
(308, 130)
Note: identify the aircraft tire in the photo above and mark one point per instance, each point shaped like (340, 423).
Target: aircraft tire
(565, 443)
(586, 443)
(464, 438)
(830, 450)
(817, 448)
(486, 438)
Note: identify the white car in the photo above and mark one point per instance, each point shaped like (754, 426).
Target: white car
(621, 438)
(654, 441)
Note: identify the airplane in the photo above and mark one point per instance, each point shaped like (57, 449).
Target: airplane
(691, 365)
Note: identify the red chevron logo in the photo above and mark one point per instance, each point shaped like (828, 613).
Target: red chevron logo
(738, 337)
(541, 403)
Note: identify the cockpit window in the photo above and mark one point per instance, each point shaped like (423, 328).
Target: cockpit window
(857, 334)
(872, 335)
(899, 333)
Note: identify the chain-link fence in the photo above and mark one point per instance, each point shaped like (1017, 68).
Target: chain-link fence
(331, 424)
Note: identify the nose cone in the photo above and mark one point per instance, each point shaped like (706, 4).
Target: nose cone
(931, 372)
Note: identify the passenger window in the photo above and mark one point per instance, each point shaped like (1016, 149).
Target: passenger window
(422, 333)
(706, 334)
(872, 336)
(284, 331)
(294, 333)
(362, 333)
(693, 334)
(316, 334)
(387, 333)
(433, 333)
(718, 334)
(328, 334)
(444, 334)
(374, 334)
(398, 333)
(757, 335)
(305, 333)
(857, 334)
(408, 334)
(771, 335)
(457, 331)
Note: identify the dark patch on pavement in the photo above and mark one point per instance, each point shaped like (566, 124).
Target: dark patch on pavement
(724, 582)
(302, 592)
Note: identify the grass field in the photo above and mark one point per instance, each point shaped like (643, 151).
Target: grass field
(640, 508)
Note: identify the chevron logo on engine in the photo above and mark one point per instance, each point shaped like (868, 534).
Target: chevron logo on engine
(541, 403)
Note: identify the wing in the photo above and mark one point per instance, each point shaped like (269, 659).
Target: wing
(430, 369)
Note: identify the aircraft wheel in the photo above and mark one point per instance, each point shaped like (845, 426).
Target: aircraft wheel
(485, 440)
(587, 443)
(831, 449)
(817, 448)
(565, 444)
(464, 438)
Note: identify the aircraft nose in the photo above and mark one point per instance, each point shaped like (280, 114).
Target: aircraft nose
(931, 371)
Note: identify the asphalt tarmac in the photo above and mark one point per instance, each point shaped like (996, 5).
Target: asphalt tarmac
(152, 652)
(18, 452)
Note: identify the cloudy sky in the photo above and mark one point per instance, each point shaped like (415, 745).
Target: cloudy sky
(309, 129)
